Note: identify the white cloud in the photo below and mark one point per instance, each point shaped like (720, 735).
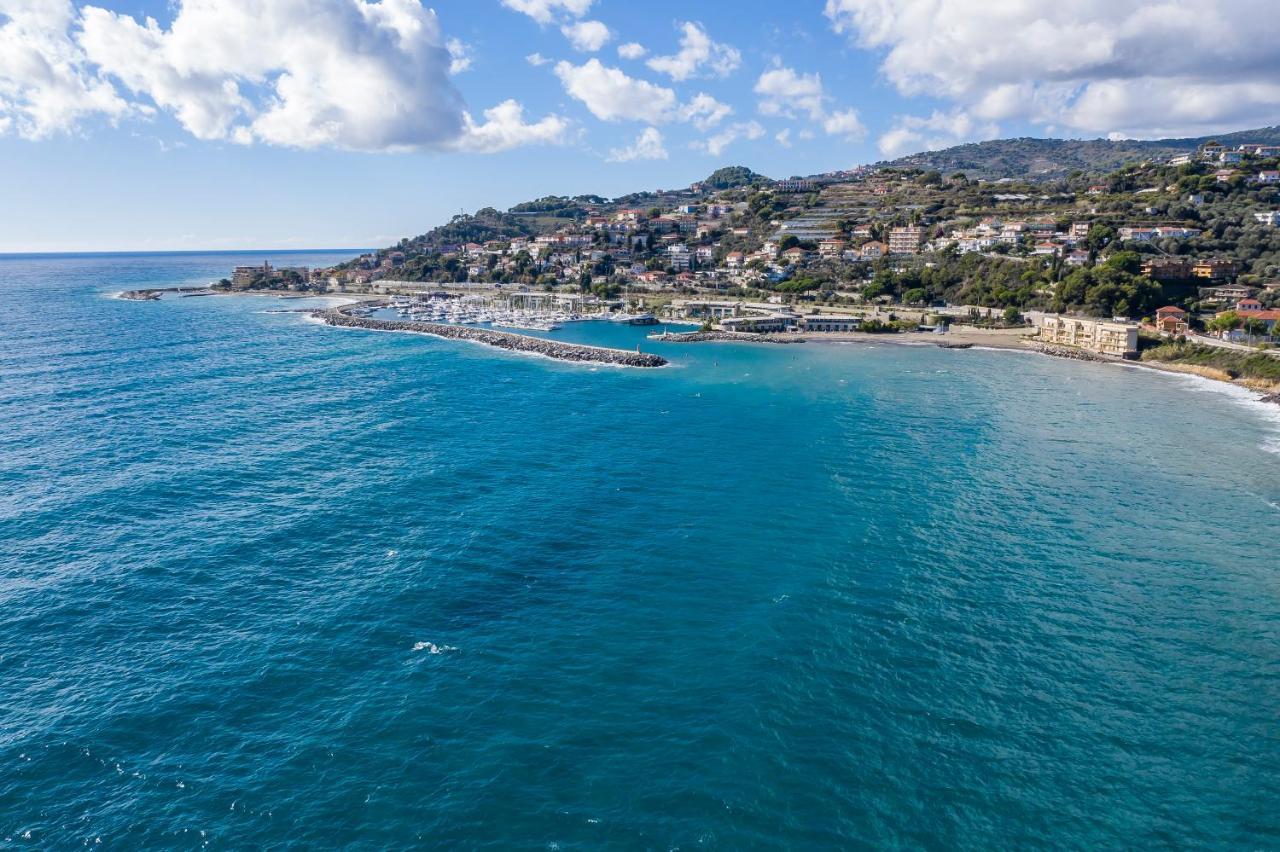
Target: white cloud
(631, 50)
(697, 52)
(611, 95)
(587, 36)
(844, 123)
(543, 11)
(536, 60)
(648, 146)
(783, 137)
(783, 92)
(1126, 67)
(940, 130)
(705, 111)
(459, 55)
(364, 76)
(717, 143)
(504, 128)
(45, 85)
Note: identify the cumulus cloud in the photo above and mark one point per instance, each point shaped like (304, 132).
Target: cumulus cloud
(1118, 67)
(698, 55)
(844, 123)
(459, 55)
(783, 137)
(648, 146)
(544, 11)
(611, 95)
(631, 50)
(939, 130)
(45, 85)
(717, 143)
(587, 36)
(705, 111)
(784, 92)
(505, 128)
(349, 74)
(537, 60)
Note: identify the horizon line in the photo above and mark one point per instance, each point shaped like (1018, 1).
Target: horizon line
(91, 252)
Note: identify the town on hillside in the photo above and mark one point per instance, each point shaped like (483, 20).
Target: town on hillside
(1183, 247)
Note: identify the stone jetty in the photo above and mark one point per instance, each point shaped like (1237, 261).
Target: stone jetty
(556, 349)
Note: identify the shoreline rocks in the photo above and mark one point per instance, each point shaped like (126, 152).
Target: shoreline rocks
(726, 336)
(559, 350)
(155, 293)
(1069, 352)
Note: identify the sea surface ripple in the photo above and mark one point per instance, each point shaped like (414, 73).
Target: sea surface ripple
(266, 583)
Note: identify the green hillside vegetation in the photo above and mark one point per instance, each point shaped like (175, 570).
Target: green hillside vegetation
(736, 213)
(731, 177)
(1256, 366)
(1047, 159)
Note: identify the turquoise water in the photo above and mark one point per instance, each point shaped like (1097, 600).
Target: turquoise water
(265, 582)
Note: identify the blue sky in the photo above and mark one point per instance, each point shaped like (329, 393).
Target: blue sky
(312, 123)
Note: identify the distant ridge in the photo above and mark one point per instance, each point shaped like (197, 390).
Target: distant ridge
(1028, 158)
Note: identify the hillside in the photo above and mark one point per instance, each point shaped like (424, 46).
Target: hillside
(1027, 158)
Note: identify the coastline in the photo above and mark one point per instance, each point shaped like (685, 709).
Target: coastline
(1007, 339)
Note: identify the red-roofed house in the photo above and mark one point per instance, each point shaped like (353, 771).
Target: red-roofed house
(1171, 320)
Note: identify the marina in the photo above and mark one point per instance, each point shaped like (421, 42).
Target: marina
(518, 311)
(462, 325)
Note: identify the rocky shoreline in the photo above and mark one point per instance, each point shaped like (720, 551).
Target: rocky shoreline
(154, 294)
(556, 349)
(726, 336)
(1069, 352)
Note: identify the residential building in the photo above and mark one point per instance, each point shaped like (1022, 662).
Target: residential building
(1138, 235)
(905, 240)
(873, 251)
(831, 248)
(1171, 320)
(1104, 337)
(1167, 268)
(243, 276)
(1214, 269)
(1271, 217)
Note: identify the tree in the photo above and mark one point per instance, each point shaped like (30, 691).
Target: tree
(1254, 327)
(1224, 322)
(914, 296)
(1012, 316)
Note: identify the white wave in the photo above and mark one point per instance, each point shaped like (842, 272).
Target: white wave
(1247, 399)
(432, 647)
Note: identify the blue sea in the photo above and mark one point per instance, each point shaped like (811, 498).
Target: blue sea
(266, 583)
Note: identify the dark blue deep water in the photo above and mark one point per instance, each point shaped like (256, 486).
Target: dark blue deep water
(265, 583)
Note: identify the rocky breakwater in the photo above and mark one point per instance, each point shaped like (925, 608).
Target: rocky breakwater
(501, 339)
